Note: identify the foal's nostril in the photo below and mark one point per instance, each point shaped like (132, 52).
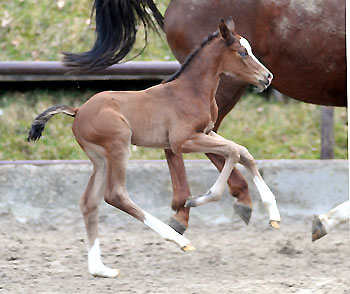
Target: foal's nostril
(269, 77)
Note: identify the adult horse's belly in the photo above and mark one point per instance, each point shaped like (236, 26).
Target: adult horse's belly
(301, 42)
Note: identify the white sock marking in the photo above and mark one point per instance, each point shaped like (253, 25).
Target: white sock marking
(164, 230)
(96, 266)
(267, 198)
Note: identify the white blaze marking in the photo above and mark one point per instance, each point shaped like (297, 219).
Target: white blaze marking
(164, 230)
(267, 198)
(336, 216)
(244, 42)
(96, 266)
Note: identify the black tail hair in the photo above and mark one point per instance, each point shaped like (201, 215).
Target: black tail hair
(116, 27)
(40, 121)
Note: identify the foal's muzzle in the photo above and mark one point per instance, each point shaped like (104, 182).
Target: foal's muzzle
(266, 81)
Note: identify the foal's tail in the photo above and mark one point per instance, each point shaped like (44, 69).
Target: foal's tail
(116, 26)
(40, 121)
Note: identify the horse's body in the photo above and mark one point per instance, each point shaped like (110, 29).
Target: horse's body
(302, 42)
(178, 115)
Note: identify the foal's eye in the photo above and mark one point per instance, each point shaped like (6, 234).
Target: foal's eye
(243, 53)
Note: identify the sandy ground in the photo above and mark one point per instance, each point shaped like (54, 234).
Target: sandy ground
(227, 260)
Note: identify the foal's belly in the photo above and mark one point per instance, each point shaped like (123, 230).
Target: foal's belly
(150, 138)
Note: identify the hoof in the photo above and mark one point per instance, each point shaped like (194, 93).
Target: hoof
(244, 211)
(191, 202)
(176, 225)
(318, 229)
(106, 273)
(275, 224)
(188, 247)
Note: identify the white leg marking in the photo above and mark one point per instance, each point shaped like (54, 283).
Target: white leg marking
(267, 198)
(96, 267)
(164, 230)
(219, 186)
(336, 216)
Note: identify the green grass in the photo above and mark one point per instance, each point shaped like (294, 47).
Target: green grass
(40, 30)
(268, 129)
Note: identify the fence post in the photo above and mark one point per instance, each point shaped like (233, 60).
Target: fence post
(327, 132)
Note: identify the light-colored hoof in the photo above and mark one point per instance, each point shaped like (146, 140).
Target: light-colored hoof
(275, 224)
(318, 229)
(106, 273)
(244, 211)
(188, 247)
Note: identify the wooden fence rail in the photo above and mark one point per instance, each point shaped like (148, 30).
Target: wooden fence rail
(45, 71)
(41, 71)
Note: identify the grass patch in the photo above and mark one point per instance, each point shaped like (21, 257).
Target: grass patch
(41, 30)
(268, 129)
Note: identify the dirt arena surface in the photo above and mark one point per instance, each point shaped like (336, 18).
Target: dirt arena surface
(228, 259)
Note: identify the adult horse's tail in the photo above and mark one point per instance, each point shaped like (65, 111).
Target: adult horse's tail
(40, 121)
(116, 27)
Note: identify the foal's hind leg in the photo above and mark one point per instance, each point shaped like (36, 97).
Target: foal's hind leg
(117, 152)
(267, 197)
(89, 205)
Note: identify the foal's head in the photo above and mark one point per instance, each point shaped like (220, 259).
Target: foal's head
(239, 60)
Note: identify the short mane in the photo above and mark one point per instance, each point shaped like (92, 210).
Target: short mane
(191, 57)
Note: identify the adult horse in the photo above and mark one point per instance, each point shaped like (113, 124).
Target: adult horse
(301, 42)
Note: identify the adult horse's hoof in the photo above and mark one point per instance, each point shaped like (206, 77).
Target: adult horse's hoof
(176, 225)
(275, 224)
(244, 211)
(188, 247)
(318, 229)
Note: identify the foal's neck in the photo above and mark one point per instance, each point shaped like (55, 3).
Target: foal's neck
(203, 73)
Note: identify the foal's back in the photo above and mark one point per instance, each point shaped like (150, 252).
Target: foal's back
(148, 115)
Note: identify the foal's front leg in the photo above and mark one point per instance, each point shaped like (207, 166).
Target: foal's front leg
(233, 153)
(211, 143)
(266, 195)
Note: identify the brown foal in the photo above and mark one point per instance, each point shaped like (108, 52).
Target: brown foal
(178, 115)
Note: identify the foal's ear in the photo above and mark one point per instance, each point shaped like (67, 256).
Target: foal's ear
(230, 24)
(226, 32)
